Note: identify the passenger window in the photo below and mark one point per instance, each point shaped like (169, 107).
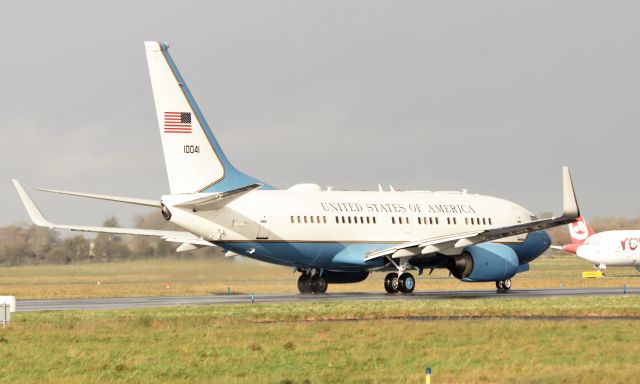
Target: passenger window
(349, 219)
(437, 220)
(419, 220)
(368, 220)
(324, 219)
(489, 221)
(374, 219)
(343, 221)
(472, 221)
(448, 220)
(292, 221)
(454, 220)
(337, 220)
(311, 218)
(399, 220)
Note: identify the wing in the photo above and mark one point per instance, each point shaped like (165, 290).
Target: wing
(38, 219)
(129, 200)
(461, 240)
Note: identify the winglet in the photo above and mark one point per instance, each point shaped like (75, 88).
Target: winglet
(33, 211)
(570, 203)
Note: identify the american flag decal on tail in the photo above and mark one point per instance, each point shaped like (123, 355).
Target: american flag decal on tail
(177, 122)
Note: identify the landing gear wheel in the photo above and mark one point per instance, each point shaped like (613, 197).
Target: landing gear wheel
(304, 284)
(406, 283)
(391, 283)
(503, 285)
(319, 284)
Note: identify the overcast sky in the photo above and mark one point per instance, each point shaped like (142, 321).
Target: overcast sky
(492, 96)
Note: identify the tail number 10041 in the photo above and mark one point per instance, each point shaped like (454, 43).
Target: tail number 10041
(191, 149)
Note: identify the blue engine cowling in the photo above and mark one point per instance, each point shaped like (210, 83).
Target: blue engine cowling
(485, 262)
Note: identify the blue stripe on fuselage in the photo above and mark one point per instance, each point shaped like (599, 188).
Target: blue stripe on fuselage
(351, 256)
(328, 255)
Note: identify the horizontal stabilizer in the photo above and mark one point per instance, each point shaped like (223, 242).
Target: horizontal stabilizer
(214, 201)
(128, 200)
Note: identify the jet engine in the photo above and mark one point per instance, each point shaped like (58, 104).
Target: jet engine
(485, 262)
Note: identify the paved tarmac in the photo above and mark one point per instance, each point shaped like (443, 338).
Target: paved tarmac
(172, 301)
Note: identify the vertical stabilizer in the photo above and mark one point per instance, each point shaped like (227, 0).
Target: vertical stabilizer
(580, 231)
(194, 160)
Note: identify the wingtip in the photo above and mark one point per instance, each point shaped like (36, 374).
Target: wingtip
(32, 209)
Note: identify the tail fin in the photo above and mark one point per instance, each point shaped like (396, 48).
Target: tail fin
(195, 162)
(580, 231)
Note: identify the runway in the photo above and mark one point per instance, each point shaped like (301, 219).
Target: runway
(145, 302)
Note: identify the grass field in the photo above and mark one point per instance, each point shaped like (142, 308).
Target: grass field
(328, 342)
(315, 342)
(218, 276)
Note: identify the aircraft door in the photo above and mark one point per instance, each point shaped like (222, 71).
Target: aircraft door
(264, 224)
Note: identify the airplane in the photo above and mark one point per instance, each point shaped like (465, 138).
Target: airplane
(328, 236)
(610, 248)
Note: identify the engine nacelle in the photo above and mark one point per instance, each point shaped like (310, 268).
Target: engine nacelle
(333, 277)
(485, 262)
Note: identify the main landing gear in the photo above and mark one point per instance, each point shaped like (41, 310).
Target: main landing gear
(503, 285)
(404, 283)
(312, 283)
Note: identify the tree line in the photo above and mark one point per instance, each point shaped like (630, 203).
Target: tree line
(29, 244)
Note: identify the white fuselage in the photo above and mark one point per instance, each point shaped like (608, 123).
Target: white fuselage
(612, 248)
(306, 214)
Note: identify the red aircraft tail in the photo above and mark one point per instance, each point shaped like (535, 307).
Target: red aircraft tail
(579, 231)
